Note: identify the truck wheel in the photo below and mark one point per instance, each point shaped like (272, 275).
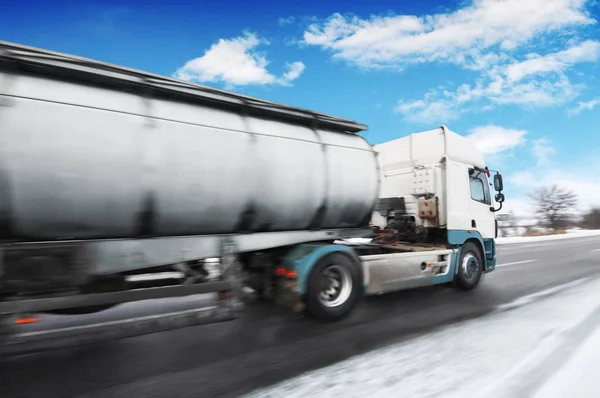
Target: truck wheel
(334, 287)
(470, 265)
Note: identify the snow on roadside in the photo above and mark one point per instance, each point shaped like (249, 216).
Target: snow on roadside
(569, 235)
(520, 352)
(572, 233)
(578, 371)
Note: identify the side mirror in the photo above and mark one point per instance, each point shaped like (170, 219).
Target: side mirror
(498, 185)
(500, 196)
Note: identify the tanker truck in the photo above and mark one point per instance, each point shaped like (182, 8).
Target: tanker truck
(118, 185)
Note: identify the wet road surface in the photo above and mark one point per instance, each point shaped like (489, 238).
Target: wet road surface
(267, 344)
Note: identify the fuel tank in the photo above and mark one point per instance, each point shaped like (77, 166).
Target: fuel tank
(96, 151)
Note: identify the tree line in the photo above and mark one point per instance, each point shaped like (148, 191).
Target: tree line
(555, 207)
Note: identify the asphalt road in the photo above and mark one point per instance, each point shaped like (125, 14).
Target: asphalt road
(268, 345)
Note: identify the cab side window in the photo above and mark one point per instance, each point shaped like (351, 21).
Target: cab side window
(480, 191)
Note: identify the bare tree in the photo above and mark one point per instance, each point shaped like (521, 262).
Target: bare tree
(554, 206)
(591, 219)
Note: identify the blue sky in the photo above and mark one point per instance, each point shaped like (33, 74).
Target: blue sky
(520, 78)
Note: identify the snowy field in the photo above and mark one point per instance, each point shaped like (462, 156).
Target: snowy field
(572, 233)
(543, 346)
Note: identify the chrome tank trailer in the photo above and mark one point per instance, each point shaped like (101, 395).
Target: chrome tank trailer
(95, 151)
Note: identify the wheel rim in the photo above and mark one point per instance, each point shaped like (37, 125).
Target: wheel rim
(335, 286)
(470, 266)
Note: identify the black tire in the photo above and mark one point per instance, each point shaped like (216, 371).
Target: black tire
(325, 270)
(470, 266)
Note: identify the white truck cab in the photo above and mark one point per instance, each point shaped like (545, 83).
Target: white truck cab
(443, 180)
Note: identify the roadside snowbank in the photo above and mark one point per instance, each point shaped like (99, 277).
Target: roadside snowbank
(572, 233)
(578, 371)
(548, 348)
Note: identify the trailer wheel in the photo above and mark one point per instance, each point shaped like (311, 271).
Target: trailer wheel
(470, 266)
(334, 287)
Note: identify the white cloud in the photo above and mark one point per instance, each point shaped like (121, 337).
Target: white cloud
(236, 62)
(581, 106)
(443, 105)
(516, 83)
(521, 206)
(428, 112)
(286, 21)
(466, 36)
(543, 151)
(492, 139)
(522, 179)
(553, 63)
(490, 37)
(535, 93)
(294, 70)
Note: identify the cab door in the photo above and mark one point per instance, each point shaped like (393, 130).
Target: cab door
(482, 218)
